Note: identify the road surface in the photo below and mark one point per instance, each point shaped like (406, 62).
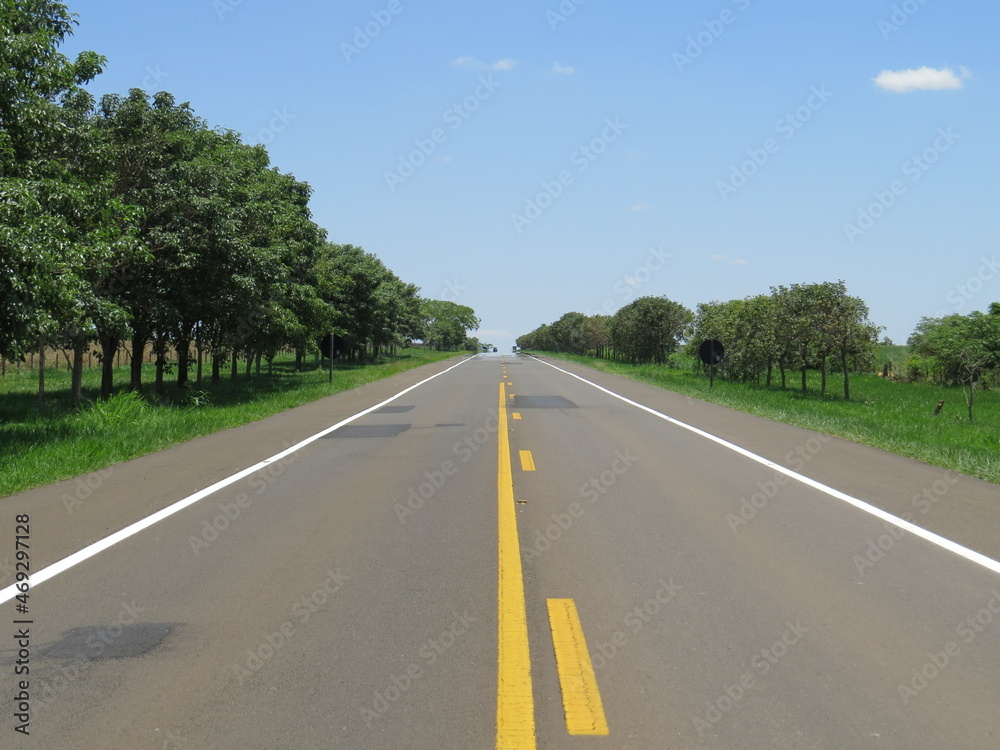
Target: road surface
(506, 555)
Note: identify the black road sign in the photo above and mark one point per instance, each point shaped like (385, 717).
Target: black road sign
(324, 346)
(711, 352)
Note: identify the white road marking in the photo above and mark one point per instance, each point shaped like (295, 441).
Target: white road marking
(971, 555)
(87, 552)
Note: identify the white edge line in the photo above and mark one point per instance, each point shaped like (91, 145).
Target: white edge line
(930, 536)
(87, 552)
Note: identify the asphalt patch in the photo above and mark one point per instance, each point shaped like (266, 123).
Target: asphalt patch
(543, 402)
(109, 642)
(369, 431)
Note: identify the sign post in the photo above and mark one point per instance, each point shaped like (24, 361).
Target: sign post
(711, 352)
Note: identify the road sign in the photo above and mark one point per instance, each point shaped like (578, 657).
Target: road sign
(711, 352)
(324, 346)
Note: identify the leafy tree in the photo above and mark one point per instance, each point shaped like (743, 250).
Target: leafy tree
(746, 329)
(962, 349)
(39, 197)
(799, 326)
(446, 323)
(597, 335)
(649, 329)
(570, 333)
(540, 339)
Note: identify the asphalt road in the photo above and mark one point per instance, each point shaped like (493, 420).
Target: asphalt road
(566, 570)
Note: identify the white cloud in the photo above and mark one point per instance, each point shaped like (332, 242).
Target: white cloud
(566, 70)
(920, 79)
(639, 207)
(471, 62)
(735, 261)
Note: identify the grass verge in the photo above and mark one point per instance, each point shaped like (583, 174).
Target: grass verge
(897, 417)
(37, 449)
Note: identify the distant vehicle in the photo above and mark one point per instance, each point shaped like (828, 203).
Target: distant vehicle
(494, 348)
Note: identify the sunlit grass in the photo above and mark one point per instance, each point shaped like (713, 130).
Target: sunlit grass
(64, 442)
(894, 416)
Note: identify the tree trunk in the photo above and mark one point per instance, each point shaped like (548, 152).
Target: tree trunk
(161, 361)
(76, 387)
(41, 374)
(822, 370)
(200, 351)
(109, 345)
(216, 367)
(299, 358)
(234, 370)
(805, 386)
(770, 373)
(847, 375)
(139, 340)
(183, 349)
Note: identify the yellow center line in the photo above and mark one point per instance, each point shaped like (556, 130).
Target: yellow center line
(515, 700)
(516, 415)
(581, 697)
(527, 461)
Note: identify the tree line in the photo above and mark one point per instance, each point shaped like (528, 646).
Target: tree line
(130, 220)
(794, 328)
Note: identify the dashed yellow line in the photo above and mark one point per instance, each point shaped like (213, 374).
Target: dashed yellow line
(515, 699)
(516, 415)
(581, 697)
(527, 461)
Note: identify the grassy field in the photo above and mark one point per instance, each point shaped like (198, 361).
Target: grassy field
(37, 449)
(897, 417)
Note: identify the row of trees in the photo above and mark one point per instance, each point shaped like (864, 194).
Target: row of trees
(799, 327)
(130, 219)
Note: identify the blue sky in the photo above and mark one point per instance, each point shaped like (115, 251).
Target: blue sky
(533, 158)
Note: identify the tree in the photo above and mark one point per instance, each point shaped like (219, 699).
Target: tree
(446, 323)
(746, 329)
(38, 195)
(597, 335)
(649, 329)
(540, 339)
(570, 333)
(798, 325)
(962, 349)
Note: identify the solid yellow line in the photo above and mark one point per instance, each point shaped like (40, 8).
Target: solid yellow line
(515, 700)
(527, 462)
(581, 698)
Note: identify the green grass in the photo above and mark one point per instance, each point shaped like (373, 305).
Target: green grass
(897, 417)
(37, 449)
